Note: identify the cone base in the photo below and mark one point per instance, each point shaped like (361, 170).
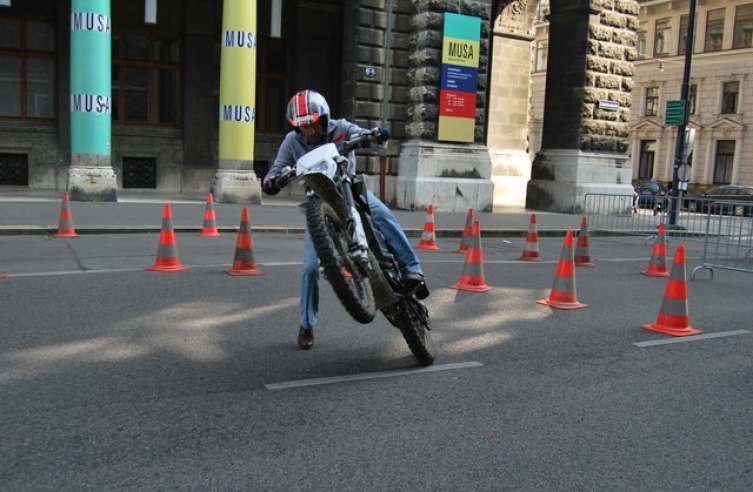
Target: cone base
(675, 332)
(64, 234)
(584, 263)
(238, 273)
(461, 251)
(650, 273)
(168, 268)
(427, 246)
(472, 288)
(214, 233)
(529, 258)
(562, 305)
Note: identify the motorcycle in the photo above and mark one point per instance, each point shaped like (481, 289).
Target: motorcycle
(352, 251)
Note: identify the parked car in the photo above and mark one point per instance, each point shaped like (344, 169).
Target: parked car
(647, 193)
(715, 198)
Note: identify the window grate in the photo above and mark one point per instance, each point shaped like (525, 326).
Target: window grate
(140, 172)
(14, 169)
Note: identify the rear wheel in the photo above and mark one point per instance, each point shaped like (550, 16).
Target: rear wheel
(349, 281)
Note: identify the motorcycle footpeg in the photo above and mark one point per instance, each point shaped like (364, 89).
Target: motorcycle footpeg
(416, 287)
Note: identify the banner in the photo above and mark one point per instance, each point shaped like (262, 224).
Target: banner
(457, 95)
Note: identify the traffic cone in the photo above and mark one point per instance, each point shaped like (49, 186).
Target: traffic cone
(467, 233)
(563, 295)
(65, 227)
(243, 262)
(582, 247)
(657, 267)
(167, 253)
(210, 220)
(531, 253)
(428, 237)
(673, 316)
(472, 278)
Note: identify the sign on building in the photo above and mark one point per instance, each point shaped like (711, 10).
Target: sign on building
(457, 95)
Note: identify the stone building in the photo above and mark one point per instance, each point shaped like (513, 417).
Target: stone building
(719, 146)
(166, 70)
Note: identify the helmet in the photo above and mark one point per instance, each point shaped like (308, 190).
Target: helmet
(306, 107)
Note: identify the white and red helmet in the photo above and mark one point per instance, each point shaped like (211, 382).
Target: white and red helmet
(307, 107)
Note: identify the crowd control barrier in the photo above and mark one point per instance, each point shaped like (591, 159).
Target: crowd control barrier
(728, 243)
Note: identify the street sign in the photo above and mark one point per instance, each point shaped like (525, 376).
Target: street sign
(675, 114)
(683, 172)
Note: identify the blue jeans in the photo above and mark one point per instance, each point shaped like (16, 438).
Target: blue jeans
(394, 236)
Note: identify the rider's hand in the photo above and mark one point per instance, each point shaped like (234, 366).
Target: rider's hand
(271, 186)
(381, 134)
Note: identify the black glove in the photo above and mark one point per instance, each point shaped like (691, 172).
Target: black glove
(382, 134)
(271, 186)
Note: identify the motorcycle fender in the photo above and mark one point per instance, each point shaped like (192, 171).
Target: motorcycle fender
(327, 191)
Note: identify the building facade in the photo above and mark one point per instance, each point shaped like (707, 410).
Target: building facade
(719, 145)
(165, 74)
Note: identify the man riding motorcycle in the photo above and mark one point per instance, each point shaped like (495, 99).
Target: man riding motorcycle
(308, 113)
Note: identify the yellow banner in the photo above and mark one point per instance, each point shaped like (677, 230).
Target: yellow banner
(463, 52)
(237, 112)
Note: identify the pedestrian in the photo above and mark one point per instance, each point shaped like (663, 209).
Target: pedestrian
(309, 114)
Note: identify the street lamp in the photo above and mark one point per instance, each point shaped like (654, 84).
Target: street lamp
(674, 202)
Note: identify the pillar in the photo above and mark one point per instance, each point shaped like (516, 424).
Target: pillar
(235, 180)
(91, 177)
(587, 104)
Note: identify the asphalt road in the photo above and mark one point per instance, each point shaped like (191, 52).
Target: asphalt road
(117, 378)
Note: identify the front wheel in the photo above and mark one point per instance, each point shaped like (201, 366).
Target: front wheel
(411, 317)
(349, 281)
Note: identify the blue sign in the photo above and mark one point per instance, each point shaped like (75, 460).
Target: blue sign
(458, 78)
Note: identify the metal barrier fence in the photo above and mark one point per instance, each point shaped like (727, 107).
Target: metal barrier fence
(724, 227)
(729, 238)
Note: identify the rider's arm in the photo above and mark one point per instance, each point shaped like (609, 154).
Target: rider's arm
(285, 157)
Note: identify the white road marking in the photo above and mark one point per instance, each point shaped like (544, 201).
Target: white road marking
(694, 338)
(369, 375)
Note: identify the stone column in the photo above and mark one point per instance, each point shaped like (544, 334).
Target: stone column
(509, 102)
(91, 177)
(587, 104)
(451, 176)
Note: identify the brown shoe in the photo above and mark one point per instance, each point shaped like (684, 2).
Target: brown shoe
(305, 338)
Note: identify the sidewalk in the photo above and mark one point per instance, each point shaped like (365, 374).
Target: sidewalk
(24, 211)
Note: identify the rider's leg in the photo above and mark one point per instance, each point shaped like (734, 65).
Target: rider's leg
(394, 235)
(309, 284)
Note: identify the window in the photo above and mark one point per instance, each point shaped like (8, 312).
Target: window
(542, 49)
(743, 33)
(725, 153)
(682, 40)
(652, 101)
(730, 93)
(646, 163)
(145, 78)
(641, 44)
(714, 30)
(692, 96)
(27, 63)
(661, 37)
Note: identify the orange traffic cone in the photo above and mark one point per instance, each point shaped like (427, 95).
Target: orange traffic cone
(243, 262)
(428, 237)
(467, 233)
(563, 295)
(673, 316)
(167, 253)
(657, 267)
(472, 278)
(582, 247)
(531, 252)
(210, 220)
(65, 227)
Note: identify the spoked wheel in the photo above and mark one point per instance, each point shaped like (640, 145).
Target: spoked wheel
(349, 281)
(411, 317)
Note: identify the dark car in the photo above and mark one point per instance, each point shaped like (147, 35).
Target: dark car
(647, 192)
(715, 198)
